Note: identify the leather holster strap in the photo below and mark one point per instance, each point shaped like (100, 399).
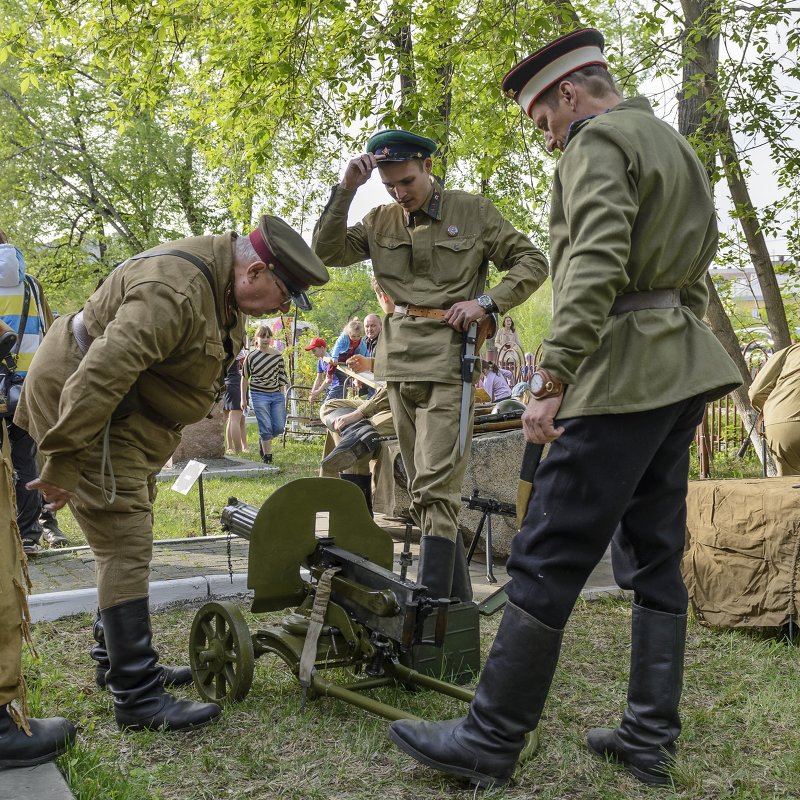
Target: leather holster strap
(80, 333)
(655, 298)
(420, 311)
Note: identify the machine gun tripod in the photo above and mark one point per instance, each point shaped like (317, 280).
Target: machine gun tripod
(488, 506)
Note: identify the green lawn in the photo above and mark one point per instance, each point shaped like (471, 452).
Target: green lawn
(741, 737)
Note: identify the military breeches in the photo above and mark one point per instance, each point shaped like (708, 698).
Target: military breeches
(29, 503)
(783, 439)
(614, 472)
(382, 422)
(121, 533)
(12, 587)
(426, 418)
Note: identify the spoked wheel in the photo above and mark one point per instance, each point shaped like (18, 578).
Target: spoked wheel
(221, 653)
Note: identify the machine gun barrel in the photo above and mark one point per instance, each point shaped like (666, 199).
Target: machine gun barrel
(238, 518)
(505, 416)
(490, 505)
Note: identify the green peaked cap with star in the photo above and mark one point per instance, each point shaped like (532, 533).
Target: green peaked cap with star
(399, 145)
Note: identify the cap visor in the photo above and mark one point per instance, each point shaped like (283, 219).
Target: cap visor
(300, 299)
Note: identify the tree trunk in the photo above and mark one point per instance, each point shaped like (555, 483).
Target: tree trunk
(700, 73)
(756, 244)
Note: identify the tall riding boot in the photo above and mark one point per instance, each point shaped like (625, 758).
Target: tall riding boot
(135, 679)
(48, 739)
(645, 739)
(171, 676)
(364, 482)
(462, 581)
(435, 568)
(484, 746)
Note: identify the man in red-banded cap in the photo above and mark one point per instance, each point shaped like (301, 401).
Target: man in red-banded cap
(106, 397)
(626, 369)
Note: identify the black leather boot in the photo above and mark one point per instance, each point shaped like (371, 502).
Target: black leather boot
(462, 580)
(484, 746)
(645, 739)
(135, 679)
(435, 569)
(364, 482)
(358, 440)
(171, 676)
(49, 738)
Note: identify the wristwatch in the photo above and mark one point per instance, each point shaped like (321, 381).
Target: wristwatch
(543, 384)
(487, 304)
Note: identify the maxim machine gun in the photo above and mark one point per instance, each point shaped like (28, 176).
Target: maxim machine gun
(351, 615)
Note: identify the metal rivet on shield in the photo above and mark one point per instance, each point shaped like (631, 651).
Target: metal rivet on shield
(452, 230)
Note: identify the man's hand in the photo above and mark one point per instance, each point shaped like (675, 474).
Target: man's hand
(537, 420)
(358, 170)
(359, 363)
(313, 395)
(55, 496)
(460, 315)
(340, 423)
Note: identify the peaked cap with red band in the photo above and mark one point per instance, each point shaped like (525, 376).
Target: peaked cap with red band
(286, 253)
(531, 78)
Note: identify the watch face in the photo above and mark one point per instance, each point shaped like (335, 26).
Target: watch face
(484, 301)
(537, 382)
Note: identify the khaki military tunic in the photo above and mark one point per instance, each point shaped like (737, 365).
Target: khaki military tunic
(631, 241)
(155, 327)
(775, 391)
(434, 257)
(13, 583)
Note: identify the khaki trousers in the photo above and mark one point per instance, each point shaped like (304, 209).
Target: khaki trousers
(120, 533)
(426, 418)
(783, 439)
(13, 585)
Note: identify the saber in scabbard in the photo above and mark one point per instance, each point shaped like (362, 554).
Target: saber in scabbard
(468, 358)
(530, 461)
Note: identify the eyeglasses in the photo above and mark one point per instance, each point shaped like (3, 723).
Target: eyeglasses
(287, 297)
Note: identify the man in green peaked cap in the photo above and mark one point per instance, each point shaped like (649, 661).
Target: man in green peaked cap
(106, 398)
(430, 251)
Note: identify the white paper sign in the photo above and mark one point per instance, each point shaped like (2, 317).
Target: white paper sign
(187, 478)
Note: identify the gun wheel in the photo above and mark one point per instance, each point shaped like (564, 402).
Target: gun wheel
(221, 653)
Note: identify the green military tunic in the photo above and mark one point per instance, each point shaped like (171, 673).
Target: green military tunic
(610, 236)
(154, 324)
(433, 258)
(775, 391)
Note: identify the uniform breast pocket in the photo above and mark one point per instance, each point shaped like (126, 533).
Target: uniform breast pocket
(392, 255)
(211, 370)
(456, 259)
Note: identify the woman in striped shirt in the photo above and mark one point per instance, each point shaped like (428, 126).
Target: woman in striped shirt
(264, 380)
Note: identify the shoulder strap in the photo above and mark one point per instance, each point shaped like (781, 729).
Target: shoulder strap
(200, 264)
(11, 358)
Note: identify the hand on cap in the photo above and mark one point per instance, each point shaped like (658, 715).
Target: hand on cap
(359, 169)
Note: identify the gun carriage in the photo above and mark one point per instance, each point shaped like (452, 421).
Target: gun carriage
(348, 609)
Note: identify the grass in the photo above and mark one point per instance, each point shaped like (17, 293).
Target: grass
(740, 737)
(178, 516)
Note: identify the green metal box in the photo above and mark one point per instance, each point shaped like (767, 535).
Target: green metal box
(459, 659)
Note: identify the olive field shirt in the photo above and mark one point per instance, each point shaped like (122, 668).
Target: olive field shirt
(434, 258)
(776, 388)
(631, 211)
(154, 324)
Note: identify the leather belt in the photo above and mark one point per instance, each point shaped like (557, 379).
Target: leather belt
(131, 402)
(420, 311)
(655, 298)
